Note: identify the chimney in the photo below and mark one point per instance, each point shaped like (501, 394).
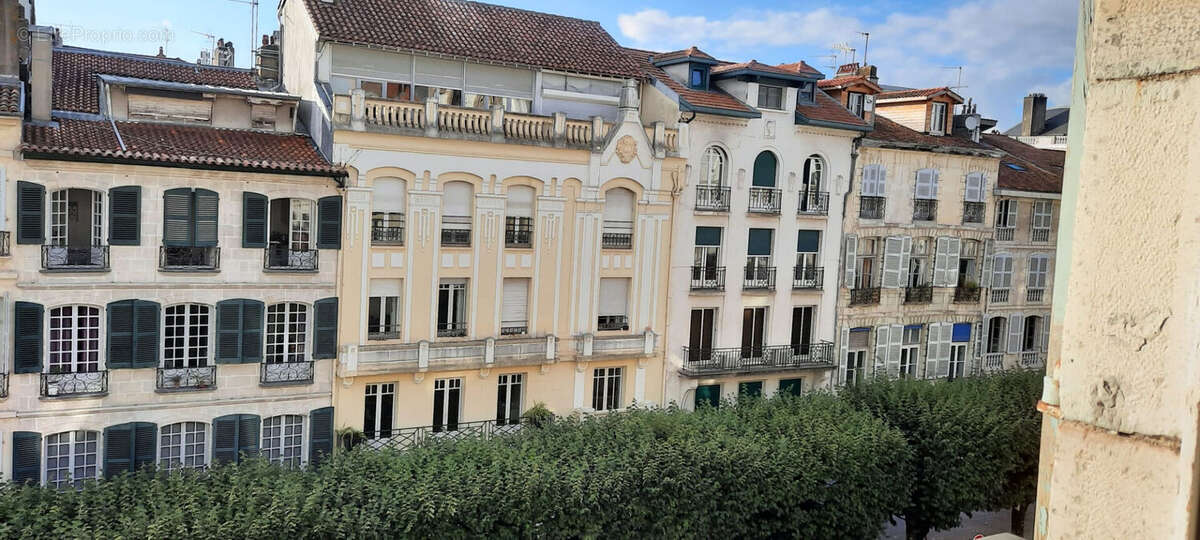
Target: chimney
(40, 72)
(266, 60)
(629, 103)
(223, 54)
(1033, 117)
(847, 69)
(868, 72)
(10, 34)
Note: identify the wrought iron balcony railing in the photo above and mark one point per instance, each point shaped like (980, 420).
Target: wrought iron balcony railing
(5, 246)
(282, 259)
(999, 296)
(451, 329)
(187, 378)
(708, 278)
(518, 232)
(966, 294)
(379, 332)
(385, 235)
(456, 237)
(759, 278)
(617, 235)
(814, 203)
(808, 277)
(924, 209)
(712, 198)
(610, 323)
(973, 212)
(280, 373)
(864, 296)
(189, 258)
(404, 438)
(1005, 234)
(918, 295)
(703, 361)
(514, 328)
(871, 207)
(3, 385)
(1039, 235)
(67, 384)
(1035, 295)
(75, 259)
(765, 200)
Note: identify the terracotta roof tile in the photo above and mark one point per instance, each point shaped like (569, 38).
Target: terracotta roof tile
(888, 131)
(753, 65)
(1037, 169)
(180, 145)
(917, 93)
(690, 52)
(10, 99)
(828, 109)
(846, 80)
(474, 30)
(712, 99)
(800, 67)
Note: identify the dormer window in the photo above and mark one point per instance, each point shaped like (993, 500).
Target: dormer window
(160, 105)
(770, 97)
(804, 92)
(697, 78)
(856, 101)
(937, 118)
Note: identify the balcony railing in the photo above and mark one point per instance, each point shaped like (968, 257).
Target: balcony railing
(993, 361)
(708, 278)
(966, 294)
(612, 323)
(918, 295)
(1005, 234)
(924, 210)
(456, 237)
(404, 438)
(1035, 295)
(697, 361)
(973, 212)
(68, 384)
(75, 259)
(1039, 235)
(518, 232)
(712, 198)
(281, 373)
(3, 385)
(188, 378)
(185, 258)
(282, 259)
(864, 296)
(452, 329)
(617, 235)
(764, 200)
(814, 203)
(999, 296)
(5, 247)
(514, 328)
(759, 278)
(379, 332)
(871, 207)
(387, 235)
(1032, 359)
(808, 277)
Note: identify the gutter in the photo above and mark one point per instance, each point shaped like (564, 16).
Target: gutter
(842, 260)
(53, 156)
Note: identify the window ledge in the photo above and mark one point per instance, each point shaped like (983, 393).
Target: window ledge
(288, 271)
(285, 383)
(190, 270)
(67, 397)
(185, 390)
(76, 270)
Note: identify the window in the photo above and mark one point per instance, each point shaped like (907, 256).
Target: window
(791, 387)
(290, 240)
(514, 310)
(856, 355)
(708, 247)
(189, 228)
(606, 389)
(759, 270)
(874, 178)
(701, 334)
(754, 332)
(282, 439)
(71, 458)
(388, 211)
(804, 92)
(976, 188)
(378, 410)
(456, 214)
(708, 395)
(1002, 269)
(508, 399)
(697, 79)
(614, 304)
(580, 85)
(287, 333)
(186, 336)
(770, 97)
(76, 228)
(927, 187)
(995, 336)
(74, 342)
(712, 167)
(748, 390)
(617, 231)
(909, 348)
(937, 118)
(764, 169)
(918, 262)
(510, 104)
(1032, 332)
(182, 446)
(518, 217)
(802, 325)
(856, 102)
(443, 96)
(383, 309)
(1042, 221)
(447, 403)
(811, 198)
(961, 335)
(452, 308)
(968, 258)
(868, 252)
(1006, 214)
(808, 259)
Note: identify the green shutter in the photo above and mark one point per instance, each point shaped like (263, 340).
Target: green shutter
(329, 222)
(31, 208)
(27, 337)
(120, 334)
(248, 431)
(27, 457)
(252, 331)
(205, 205)
(124, 216)
(764, 170)
(145, 444)
(320, 438)
(225, 439)
(229, 332)
(118, 449)
(325, 336)
(254, 220)
(177, 217)
(146, 317)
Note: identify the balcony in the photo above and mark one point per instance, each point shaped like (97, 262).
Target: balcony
(456, 231)
(864, 296)
(999, 296)
(702, 362)
(807, 277)
(924, 210)
(1032, 359)
(452, 329)
(918, 295)
(518, 232)
(1005, 234)
(764, 200)
(5, 246)
(612, 323)
(973, 212)
(403, 438)
(279, 258)
(966, 295)
(425, 356)
(286, 373)
(189, 259)
(387, 232)
(380, 332)
(1040, 236)
(871, 207)
(75, 259)
(993, 361)
(712, 198)
(617, 235)
(708, 278)
(73, 384)
(187, 378)
(813, 203)
(760, 278)
(514, 328)
(589, 345)
(1035, 295)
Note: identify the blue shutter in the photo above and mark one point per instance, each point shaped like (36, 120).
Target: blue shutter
(31, 208)
(254, 220)
(760, 242)
(325, 336)
(708, 236)
(329, 222)
(124, 216)
(808, 241)
(320, 438)
(27, 457)
(27, 337)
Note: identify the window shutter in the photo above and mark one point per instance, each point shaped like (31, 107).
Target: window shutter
(931, 349)
(225, 439)
(947, 334)
(614, 296)
(206, 211)
(982, 187)
(31, 208)
(27, 457)
(252, 331)
(145, 444)
(880, 180)
(972, 191)
(764, 170)
(1044, 339)
(882, 342)
(254, 220)
(229, 331)
(891, 261)
(145, 337)
(325, 336)
(248, 433)
(940, 261)
(985, 277)
(27, 337)
(1016, 329)
(851, 256)
(1012, 213)
(905, 258)
(933, 184)
(978, 352)
(954, 246)
(120, 334)
(177, 217)
(868, 180)
(124, 216)
(924, 184)
(329, 222)
(843, 353)
(897, 338)
(515, 306)
(320, 437)
(118, 449)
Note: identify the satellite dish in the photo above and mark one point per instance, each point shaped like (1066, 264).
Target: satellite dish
(972, 122)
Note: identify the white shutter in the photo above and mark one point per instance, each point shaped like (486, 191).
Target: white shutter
(955, 246)
(974, 189)
(515, 307)
(931, 349)
(387, 195)
(1012, 213)
(868, 181)
(614, 296)
(933, 183)
(520, 202)
(947, 331)
(924, 184)
(982, 187)
(1045, 337)
(385, 287)
(844, 354)
(940, 260)
(851, 258)
(882, 342)
(977, 329)
(897, 339)
(1016, 329)
(892, 246)
(905, 259)
(985, 277)
(456, 199)
(880, 181)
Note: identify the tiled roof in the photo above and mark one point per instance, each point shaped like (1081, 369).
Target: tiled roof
(887, 131)
(474, 30)
(709, 99)
(799, 67)
(846, 80)
(917, 93)
(828, 109)
(176, 145)
(1037, 169)
(75, 86)
(754, 65)
(10, 99)
(690, 52)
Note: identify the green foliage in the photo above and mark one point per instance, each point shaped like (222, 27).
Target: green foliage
(539, 415)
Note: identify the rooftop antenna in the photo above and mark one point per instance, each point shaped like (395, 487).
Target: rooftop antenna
(253, 25)
(844, 48)
(959, 84)
(212, 40)
(866, 42)
(832, 60)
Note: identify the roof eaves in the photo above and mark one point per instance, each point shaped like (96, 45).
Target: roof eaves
(938, 148)
(763, 73)
(801, 119)
(186, 87)
(46, 153)
(720, 112)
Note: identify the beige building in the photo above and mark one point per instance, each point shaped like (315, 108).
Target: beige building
(508, 214)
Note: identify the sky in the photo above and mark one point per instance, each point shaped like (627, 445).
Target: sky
(1005, 48)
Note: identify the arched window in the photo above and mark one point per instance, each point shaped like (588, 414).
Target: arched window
(283, 439)
(456, 213)
(712, 167)
(812, 200)
(518, 217)
(183, 446)
(618, 219)
(388, 204)
(76, 228)
(764, 196)
(764, 169)
(72, 457)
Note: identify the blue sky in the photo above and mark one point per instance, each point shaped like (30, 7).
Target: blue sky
(1007, 48)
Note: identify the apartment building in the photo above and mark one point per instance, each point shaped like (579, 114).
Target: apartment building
(756, 227)
(508, 212)
(1041, 127)
(169, 296)
(916, 235)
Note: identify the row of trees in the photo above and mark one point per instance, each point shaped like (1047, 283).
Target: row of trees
(820, 466)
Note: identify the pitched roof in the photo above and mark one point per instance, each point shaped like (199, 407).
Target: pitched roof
(1036, 169)
(754, 65)
(474, 30)
(799, 67)
(75, 70)
(175, 145)
(690, 52)
(847, 80)
(887, 131)
(828, 111)
(714, 99)
(10, 98)
(918, 93)
(1057, 121)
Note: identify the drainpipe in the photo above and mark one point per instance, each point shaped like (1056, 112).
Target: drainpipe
(676, 189)
(842, 257)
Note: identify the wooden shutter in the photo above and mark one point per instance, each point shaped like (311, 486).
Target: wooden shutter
(27, 337)
(1012, 213)
(27, 457)
(933, 183)
(882, 342)
(325, 330)
(880, 180)
(985, 277)
(129, 447)
(229, 332)
(31, 209)
(124, 216)
(941, 261)
(851, 256)
(844, 354)
(977, 328)
(320, 437)
(868, 180)
(205, 212)
(973, 190)
(145, 339)
(931, 349)
(329, 222)
(954, 246)
(905, 258)
(947, 335)
(254, 220)
(177, 217)
(1016, 329)
(924, 188)
(132, 334)
(248, 433)
(225, 439)
(892, 246)
(896, 340)
(253, 312)
(1044, 339)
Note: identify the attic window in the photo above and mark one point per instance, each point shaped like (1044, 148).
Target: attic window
(937, 118)
(696, 80)
(1014, 167)
(804, 93)
(262, 116)
(770, 97)
(146, 104)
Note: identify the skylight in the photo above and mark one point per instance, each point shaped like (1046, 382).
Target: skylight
(1015, 167)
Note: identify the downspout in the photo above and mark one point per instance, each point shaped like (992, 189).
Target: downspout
(675, 191)
(842, 256)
